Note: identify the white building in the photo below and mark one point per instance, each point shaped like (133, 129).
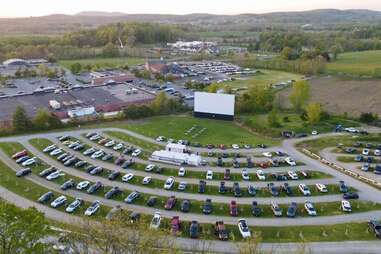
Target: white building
(176, 154)
(178, 148)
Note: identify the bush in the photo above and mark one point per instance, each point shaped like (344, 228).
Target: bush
(368, 117)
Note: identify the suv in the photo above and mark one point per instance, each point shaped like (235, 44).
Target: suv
(221, 231)
(201, 186)
(255, 209)
(222, 188)
(207, 207)
(375, 226)
(227, 174)
(237, 190)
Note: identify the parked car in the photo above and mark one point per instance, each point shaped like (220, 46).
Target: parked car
(151, 201)
(89, 151)
(276, 209)
(236, 190)
(49, 148)
(61, 200)
(48, 171)
(227, 174)
(292, 175)
(201, 186)
(170, 203)
(155, 222)
(233, 208)
(194, 229)
(23, 172)
(222, 188)
(96, 171)
(245, 175)
(113, 175)
(375, 226)
(117, 147)
(68, 184)
(181, 172)
(207, 207)
(290, 161)
(310, 209)
(82, 185)
(169, 183)
(273, 189)
(120, 160)
(29, 162)
(93, 208)
(136, 153)
(304, 189)
(20, 154)
(182, 186)
(292, 210)
(107, 157)
(286, 188)
(185, 206)
(46, 197)
(255, 209)
(146, 180)
(251, 190)
(132, 197)
(175, 225)
(22, 159)
(209, 175)
(80, 164)
(350, 195)
(127, 177)
(261, 176)
(365, 152)
(112, 192)
(74, 205)
(243, 228)
(150, 167)
(321, 187)
(221, 231)
(343, 187)
(95, 187)
(56, 152)
(365, 167)
(54, 175)
(346, 206)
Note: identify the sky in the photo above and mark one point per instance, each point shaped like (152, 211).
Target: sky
(26, 8)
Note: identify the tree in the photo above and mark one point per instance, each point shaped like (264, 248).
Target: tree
(368, 117)
(160, 103)
(21, 231)
(45, 120)
(20, 120)
(313, 112)
(213, 88)
(110, 50)
(76, 68)
(300, 95)
(286, 53)
(336, 50)
(273, 119)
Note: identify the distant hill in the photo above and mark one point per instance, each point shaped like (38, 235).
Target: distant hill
(58, 23)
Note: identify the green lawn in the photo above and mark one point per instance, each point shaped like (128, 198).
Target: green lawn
(266, 77)
(356, 63)
(205, 131)
(293, 123)
(104, 62)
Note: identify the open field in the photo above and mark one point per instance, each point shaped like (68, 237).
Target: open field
(356, 63)
(339, 95)
(205, 131)
(266, 77)
(104, 62)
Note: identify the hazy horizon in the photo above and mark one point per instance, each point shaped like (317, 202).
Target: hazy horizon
(20, 8)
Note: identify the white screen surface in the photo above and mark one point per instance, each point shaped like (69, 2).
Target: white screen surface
(214, 103)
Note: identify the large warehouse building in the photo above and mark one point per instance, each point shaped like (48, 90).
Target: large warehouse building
(214, 105)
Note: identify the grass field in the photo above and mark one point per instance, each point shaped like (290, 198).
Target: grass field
(204, 131)
(356, 63)
(266, 77)
(294, 123)
(104, 62)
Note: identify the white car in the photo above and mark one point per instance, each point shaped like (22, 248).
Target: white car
(365, 151)
(293, 175)
(245, 175)
(290, 161)
(54, 175)
(261, 175)
(267, 154)
(181, 172)
(321, 187)
(346, 206)
(136, 153)
(304, 189)
(209, 175)
(82, 185)
(97, 154)
(74, 205)
(351, 130)
(95, 137)
(377, 152)
(150, 167)
(49, 148)
(160, 139)
(29, 162)
(56, 152)
(182, 186)
(314, 133)
(169, 183)
(58, 201)
(155, 223)
(118, 146)
(127, 177)
(310, 209)
(93, 208)
(110, 143)
(243, 228)
(146, 180)
(235, 146)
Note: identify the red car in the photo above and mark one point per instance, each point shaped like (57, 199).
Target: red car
(221, 231)
(263, 164)
(233, 207)
(227, 174)
(170, 203)
(175, 225)
(20, 154)
(222, 146)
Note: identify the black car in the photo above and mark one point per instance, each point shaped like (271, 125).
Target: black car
(251, 190)
(279, 177)
(262, 146)
(222, 188)
(78, 147)
(225, 155)
(350, 150)
(151, 201)
(343, 187)
(185, 206)
(63, 138)
(237, 190)
(134, 216)
(375, 226)
(46, 197)
(255, 209)
(80, 164)
(68, 184)
(47, 172)
(127, 163)
(292, 209)
(107, 157)
(207, 207)
(70, 162)
(350, 195)
(194, 229)
(113, 175)
(89, 168)
(96, 171)
(62, 156)
(250, 163)
(23, 172)
(273, 189)
(220, 163)
(93, 188)
(201, 186)
(286, 188)
(112, 192)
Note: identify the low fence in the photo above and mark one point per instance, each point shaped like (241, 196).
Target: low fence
(351, 173)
